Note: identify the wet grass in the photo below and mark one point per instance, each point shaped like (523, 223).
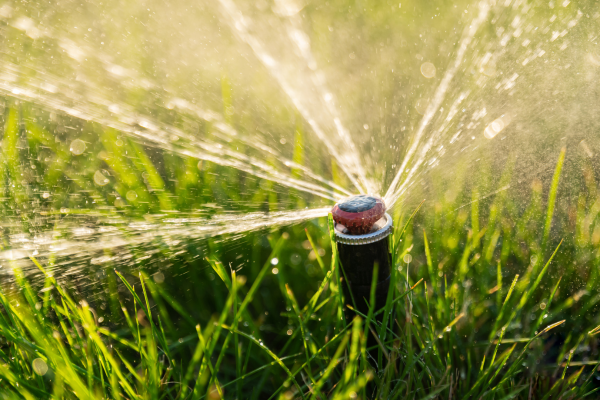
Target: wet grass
(500, 300)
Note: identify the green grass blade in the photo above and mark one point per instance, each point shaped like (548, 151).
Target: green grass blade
(552, 197)
(271, 354)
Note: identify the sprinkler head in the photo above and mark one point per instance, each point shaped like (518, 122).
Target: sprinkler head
(362, 230)
(357, 214)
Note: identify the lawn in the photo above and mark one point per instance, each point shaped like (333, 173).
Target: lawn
(154, 248)
(492, 296)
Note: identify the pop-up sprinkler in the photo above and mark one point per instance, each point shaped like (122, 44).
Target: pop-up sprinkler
(362, 228)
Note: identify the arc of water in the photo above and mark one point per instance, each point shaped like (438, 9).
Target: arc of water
(77, 52)
(223, 127)
(235, 223)
(348, 160)
(138, 233)
(302, 42)
(394, 191)
(506, 81)
(127, 123)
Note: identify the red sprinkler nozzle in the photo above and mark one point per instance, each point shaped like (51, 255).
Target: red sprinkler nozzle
(358, 213)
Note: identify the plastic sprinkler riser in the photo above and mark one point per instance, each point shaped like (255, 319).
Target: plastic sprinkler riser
(362, 230)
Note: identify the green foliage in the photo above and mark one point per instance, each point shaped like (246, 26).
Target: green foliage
(262, 315)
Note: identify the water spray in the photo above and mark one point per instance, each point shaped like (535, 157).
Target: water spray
(362, 229)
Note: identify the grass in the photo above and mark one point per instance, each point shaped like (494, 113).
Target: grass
(262, 316)
(500, 299)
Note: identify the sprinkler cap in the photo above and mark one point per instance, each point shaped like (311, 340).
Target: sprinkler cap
(358, 213)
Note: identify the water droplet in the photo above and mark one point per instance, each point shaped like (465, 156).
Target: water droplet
(533, 259)
(275, 271)
(77, 147)
(39, 366)
(159, 277)
(428, 70)
(421, 106)
(99, 179)
(131, 195)
(496, 127)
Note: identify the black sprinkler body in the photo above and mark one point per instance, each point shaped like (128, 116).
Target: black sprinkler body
(362, 230)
